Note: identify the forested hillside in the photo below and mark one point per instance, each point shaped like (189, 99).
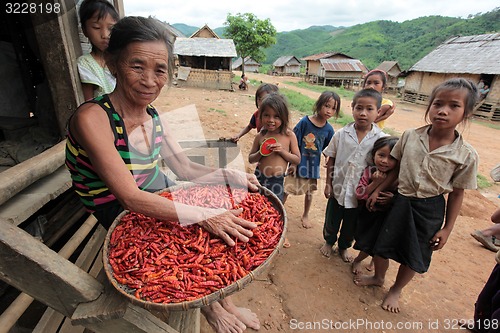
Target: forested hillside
(374, 42)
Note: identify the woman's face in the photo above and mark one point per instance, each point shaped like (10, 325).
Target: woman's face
(142, 71)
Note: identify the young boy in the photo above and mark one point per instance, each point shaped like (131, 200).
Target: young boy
(347, 153)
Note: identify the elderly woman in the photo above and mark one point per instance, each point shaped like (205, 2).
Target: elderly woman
(114, 142)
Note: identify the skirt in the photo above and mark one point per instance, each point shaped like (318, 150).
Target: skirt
(407, 230)
(368, 228)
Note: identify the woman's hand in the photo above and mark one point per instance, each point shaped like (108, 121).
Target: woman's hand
(227, 224)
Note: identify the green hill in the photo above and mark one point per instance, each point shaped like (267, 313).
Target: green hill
(374, 42)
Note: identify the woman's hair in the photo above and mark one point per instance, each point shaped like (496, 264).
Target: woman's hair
(367, 93)
(265, 88)
(325, 98)
(471, 97)
(132, 29)
(278, 103)
(381, 143)
(379, 72)
(89, 8)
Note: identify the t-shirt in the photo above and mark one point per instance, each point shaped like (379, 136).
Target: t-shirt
(424, 173)
(92, 73)
(312, 141)
(350, 161)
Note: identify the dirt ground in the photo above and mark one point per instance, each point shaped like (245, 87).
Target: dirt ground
(307, 292)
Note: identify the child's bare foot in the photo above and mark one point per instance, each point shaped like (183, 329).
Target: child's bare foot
(371, 266)
(326, 250)
(246, 316)
(368, 280)
(391, 301)
(286, 243)
(356, 267)
(305, 222)
(345, 255)
(221, 320)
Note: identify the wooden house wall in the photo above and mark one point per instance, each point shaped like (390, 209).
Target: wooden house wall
(252, 68)
(209, 79)
(494, 93)
(313, 67)
(342, 75)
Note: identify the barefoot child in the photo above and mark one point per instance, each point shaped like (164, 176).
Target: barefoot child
(271, 168)
(97, 17)
(433, 160)
(347, 153)
(377, 79)
(313, 135)
(260, 94)
(369, 223)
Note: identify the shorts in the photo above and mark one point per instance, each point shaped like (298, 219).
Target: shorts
(298, 185)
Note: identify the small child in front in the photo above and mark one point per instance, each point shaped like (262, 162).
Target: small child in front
(347, 153)
(97, 18)
(313, 135)
(271, 168)
(433, 160)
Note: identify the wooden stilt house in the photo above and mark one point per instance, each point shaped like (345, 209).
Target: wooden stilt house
(393, 71)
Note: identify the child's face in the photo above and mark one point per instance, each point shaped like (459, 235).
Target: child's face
(365, 111)
(383, 159)
(328, 109)
(447, 110)
(374, 82)
(98, 31)
(271, 120)
(261, 97)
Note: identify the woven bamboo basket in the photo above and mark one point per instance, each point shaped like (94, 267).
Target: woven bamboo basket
(210, 298)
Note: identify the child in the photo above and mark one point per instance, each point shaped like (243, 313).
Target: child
(369, 223)
(313, 135)
(433, 160)
(243, 83)
(347, 153)
(262, 91)
(377, 79)
(97, 17)
(271, 169)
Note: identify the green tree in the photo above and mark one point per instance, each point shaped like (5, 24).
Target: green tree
(250, 35)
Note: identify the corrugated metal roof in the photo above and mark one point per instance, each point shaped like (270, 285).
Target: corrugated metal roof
(478, 54)
(286, 60)
(343, 65)
(208, 47)
(323, 55)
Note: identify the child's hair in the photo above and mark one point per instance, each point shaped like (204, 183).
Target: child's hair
(379, 72)
(368, 93)
(265, 87)
(89, 8)
(454, 84)
(381, 143)
(324, 98)
(278, 103)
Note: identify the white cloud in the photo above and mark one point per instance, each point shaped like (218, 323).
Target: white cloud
(288, 15)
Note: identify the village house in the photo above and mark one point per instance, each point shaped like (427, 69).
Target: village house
(286, 65)
(251, 66)
(393, 71)
(472, 57)
(205, 60)
(334, 68)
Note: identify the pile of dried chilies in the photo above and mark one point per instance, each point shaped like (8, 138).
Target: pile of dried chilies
(166, 263)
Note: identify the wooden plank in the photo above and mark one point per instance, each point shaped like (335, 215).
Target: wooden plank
(33, 268)
(185, 321)
(92, 249)
(10, 316)
(50, 322)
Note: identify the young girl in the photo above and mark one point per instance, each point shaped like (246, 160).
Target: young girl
(369, 223)
(377, 79)
(97, 17)
(271, 168)
(433, 160)
(313, 135)
(347, 152)
(263, 90)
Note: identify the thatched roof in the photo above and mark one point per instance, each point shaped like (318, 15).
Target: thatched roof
(248, 61)
(386, 66)
(208, 47)
(324, 55)
(343, 65)
(198, 32)
(477, 54)
(286, 61)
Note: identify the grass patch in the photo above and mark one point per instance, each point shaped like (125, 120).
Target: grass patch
(344, 93)
(222, 112)
(487, 123)
(482, 182)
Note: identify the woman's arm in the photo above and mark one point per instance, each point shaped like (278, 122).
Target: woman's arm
(453, 205)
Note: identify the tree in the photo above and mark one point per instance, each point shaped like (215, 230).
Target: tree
(250, 35)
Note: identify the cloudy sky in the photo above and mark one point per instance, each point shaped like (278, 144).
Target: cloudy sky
(288, 15)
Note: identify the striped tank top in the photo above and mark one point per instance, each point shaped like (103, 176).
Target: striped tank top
(93, 192)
